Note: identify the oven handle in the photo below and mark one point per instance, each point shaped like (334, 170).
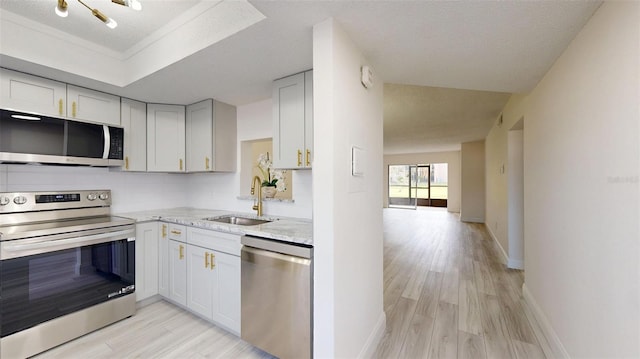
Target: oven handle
(94, 239)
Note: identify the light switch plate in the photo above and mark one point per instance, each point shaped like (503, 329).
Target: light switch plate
(356, 161)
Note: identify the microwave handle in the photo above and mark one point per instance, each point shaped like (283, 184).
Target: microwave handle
(107, 142)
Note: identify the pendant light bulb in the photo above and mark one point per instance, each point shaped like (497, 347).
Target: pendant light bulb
(61, 8)
(134, 4)
(111, 23)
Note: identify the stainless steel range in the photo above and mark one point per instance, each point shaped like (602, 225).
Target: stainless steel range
(67, 267)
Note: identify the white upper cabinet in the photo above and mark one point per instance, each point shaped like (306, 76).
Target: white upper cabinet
(211, 137)
(35, 94)
(90, 105)
(165, 138)
(134, 120)
(293, 121)
(28, 93)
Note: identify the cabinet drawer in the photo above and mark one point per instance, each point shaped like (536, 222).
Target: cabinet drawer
(218, 241)
(177, 232)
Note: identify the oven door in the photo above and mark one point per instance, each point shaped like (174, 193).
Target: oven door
(44, 279)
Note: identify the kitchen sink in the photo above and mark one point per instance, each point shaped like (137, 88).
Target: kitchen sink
(240, 221)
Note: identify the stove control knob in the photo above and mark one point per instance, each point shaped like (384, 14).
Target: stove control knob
(104, 196)
(20, 200)
(92, 196)
(4, 201)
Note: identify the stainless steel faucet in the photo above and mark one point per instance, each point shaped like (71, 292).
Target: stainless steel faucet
(258, 205)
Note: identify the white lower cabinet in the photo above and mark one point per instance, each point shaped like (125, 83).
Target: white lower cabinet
(213, 277)
(196, 268)
(177, 272)
(199, 283)
(226, 291)
(163, 260)
(146, 260)
(213, 286)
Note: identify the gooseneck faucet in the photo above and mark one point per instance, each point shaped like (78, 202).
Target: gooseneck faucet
(258, 205)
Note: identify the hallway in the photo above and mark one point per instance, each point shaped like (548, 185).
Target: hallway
(446, 293)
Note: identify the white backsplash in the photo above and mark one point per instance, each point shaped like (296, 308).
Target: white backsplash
(130, 191)
(145, 191)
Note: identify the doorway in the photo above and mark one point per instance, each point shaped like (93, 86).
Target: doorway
(515, 195)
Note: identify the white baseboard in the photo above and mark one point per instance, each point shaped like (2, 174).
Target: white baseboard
(544, 332)
(471, 219)
(375, 337)
(505, 257)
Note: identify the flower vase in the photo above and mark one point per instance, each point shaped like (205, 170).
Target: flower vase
(268, 192)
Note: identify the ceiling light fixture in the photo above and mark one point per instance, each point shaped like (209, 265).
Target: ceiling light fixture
(61, 10)
(134, 4)
(104, 18)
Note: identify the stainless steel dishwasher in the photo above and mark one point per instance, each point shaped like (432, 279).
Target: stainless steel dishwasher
(277, 292)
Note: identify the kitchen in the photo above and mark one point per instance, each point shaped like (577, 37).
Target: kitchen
(344, 222)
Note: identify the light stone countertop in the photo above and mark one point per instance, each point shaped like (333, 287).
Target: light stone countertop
(295, 230)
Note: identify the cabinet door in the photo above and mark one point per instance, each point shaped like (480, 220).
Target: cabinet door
(225, 137)
(199, 281)
(199, 138)
(134, 120)
(178, 272)
(288, 122)
(226, 294)
(32, 94)
(163, 260)
(308, 119)
(165, 138)
(90, 105)
(146, 260)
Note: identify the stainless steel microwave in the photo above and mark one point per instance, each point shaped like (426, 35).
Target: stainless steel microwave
(30, 138)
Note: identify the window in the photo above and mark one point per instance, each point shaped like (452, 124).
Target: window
(418, 185)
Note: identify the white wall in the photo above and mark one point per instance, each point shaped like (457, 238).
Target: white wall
(452, 158)
(130, 191)
(220, 190)
(472, 201)
(581, 152)
(347, 211)
(581, 201)
(496, 155)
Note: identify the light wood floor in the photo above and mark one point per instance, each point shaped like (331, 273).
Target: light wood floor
(446, 293)
(159, 330)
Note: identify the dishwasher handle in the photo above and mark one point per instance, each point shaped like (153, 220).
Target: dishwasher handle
(287, 248)
(252, 255)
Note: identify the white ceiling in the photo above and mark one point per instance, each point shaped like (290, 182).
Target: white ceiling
(433, 119)
(497, 46)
